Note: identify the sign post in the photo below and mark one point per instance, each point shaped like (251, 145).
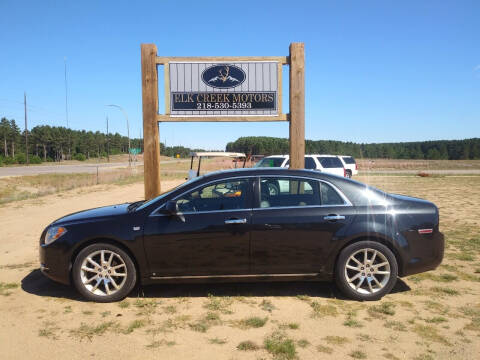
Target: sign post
(214, 89)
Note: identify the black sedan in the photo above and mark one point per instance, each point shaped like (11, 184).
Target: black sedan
(247, 225)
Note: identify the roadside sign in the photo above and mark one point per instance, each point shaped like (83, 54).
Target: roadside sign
(225, 89)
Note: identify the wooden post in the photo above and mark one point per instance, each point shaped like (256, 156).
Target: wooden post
(297, 105)
(151, 151)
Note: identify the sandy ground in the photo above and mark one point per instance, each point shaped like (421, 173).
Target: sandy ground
(431, 316)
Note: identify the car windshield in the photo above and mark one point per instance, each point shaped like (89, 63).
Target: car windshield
(151, 201)
(270, 162)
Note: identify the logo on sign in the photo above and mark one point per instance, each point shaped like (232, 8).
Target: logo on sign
(223, 76)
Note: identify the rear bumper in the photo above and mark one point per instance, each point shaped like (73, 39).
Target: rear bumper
(425, 256)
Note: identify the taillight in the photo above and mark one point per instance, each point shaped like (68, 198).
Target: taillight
(356, 167)
(344, 172)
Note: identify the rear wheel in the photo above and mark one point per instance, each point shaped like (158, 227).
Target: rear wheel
(366, 270)
(348, 174)
(104, 273)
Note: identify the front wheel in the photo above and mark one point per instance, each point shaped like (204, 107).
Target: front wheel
(366, 270)
(104, 273)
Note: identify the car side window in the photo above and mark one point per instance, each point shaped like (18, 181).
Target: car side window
(226, 195)
(329, 195)
(310, 163)
(285, 192)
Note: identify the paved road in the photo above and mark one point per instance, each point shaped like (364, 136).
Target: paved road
(92, 168)
(439, 172)
(65, 169)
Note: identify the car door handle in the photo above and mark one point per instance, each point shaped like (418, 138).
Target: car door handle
(334, 217)
(272, 226)
(236, 221)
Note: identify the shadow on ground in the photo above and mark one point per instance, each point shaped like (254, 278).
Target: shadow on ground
(36, 283)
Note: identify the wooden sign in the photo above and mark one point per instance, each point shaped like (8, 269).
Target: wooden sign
(220, 89)
(224, 88)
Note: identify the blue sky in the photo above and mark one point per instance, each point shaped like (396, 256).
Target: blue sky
(376, 71)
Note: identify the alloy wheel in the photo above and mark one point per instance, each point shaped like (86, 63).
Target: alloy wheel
(103, 272)
(367, 271)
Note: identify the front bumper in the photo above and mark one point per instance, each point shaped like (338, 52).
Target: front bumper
(54, 263)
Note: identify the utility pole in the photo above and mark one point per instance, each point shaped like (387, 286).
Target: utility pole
(26, 126)
(108, 144)
(66, 107)
(128, 131)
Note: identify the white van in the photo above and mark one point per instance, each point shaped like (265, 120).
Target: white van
(326, 163)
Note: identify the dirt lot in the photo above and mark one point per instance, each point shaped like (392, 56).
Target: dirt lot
(435, 315)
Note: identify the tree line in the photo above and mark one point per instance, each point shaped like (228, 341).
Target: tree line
(434, 150)
(56, 143)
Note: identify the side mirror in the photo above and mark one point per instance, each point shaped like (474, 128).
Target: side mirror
(171, 208)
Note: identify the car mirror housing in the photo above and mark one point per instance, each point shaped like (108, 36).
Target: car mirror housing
(171, 208)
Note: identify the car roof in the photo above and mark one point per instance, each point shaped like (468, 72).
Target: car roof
(268, 171)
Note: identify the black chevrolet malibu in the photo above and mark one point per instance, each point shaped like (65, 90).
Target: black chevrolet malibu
(247, 225)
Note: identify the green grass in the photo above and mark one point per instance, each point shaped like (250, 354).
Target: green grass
(430, 333)
(320, 311)
(206, 322)
(49, 330)
(291, 326)
(85, 331)
(352, 322)
(474, 324)
(67, 309)
(248, 345)
(395, 325)
(436, 320)
(324, 349)
(124, 304)
(135, 324)
(445, 278)
(444, 291)
(4, 287)
(170, 309)
(379, 311)
(222, 304)
(267, 305)
(280, 346)
(358, 354)
(217, 341)
(252, 322)
(157, 343)
(87, 312)
(145, 307)
(336, 340)
(303, 343)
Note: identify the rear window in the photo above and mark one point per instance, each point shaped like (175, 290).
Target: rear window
(348, 159)
(270, 162)
(330, 162)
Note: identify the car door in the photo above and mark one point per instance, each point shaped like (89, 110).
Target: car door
(292, 229)
(213, 240)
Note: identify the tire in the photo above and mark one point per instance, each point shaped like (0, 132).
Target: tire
(97, 284)
(356, 284)
(348, 174)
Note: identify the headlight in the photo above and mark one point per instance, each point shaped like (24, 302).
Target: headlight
(54, 233)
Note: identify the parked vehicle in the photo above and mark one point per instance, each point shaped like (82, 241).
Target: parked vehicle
(192, 173)
(349, 164)
(247, 225)
(330, 164)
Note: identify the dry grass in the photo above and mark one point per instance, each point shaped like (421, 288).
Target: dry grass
(438, 310)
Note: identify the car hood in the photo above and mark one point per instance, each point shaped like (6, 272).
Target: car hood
(101, 212)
